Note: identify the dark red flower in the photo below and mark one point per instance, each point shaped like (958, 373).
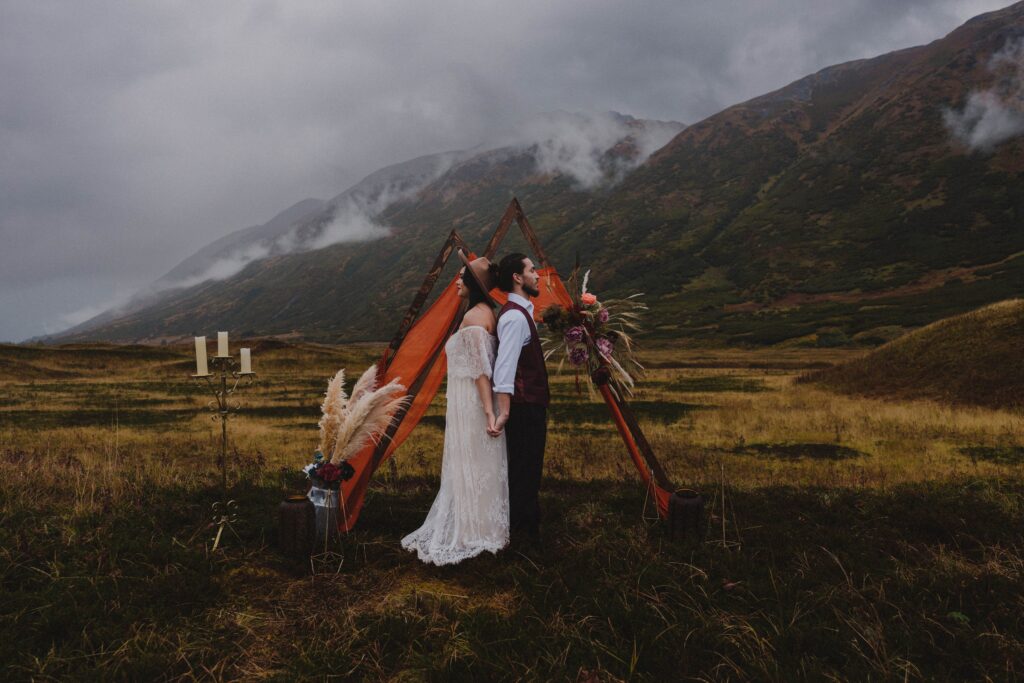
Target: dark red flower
(329, 472)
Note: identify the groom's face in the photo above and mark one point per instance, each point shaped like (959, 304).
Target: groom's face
(531, 279)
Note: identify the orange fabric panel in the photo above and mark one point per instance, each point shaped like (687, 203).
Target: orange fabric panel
(410, 362)
(661, 497)
(420, 404)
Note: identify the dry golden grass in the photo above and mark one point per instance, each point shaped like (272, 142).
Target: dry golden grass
(703, 410)
(847, 537)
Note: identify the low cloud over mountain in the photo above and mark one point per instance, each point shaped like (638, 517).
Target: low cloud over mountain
(595, 149)
(995, 114)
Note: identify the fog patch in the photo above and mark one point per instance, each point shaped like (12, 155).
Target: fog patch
(594, 149)
(227, 266)
(355, 219)
(992, 116)
(351, 217)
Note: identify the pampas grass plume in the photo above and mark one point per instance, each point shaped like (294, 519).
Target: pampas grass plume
(380, 415)
(367, 382)
(351, 422)
(332, 407)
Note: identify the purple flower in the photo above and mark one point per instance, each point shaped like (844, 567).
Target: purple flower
(578, 355)
(605, 346)
(574, 335)
(603, 315)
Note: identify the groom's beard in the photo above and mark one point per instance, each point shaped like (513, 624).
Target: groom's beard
(532, 291)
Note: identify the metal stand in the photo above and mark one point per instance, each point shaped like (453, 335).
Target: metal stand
(223, 368)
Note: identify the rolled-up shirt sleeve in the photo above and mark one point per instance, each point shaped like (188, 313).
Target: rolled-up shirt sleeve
(513, 334)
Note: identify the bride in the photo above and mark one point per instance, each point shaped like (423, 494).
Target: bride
(470, 512)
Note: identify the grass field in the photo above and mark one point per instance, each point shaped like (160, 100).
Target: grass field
(847, 538)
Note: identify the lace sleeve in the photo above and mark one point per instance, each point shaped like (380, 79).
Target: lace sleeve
(474, 354)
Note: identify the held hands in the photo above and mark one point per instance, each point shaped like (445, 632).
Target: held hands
(496, 424)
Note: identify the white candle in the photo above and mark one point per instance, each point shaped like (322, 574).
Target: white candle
(222, 344)
(246, 361)
(201, 357)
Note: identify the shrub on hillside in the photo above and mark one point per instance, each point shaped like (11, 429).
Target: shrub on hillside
(877, 336)
(830, 337)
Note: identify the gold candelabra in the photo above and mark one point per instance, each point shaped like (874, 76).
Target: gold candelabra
(223, 369)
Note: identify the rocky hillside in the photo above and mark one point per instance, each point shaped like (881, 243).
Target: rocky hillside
(842, 199)
(866, 195)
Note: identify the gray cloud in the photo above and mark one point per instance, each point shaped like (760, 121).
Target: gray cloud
(996, 114)
(131, 134)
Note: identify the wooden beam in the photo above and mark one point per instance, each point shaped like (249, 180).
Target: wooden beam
(501, 230)
(454, 240)
(641, 441)
(528, 233)
(514, 212)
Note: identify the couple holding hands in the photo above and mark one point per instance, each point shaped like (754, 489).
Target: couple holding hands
(496, 419)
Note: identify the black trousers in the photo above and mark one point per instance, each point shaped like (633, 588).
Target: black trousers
(526, 433)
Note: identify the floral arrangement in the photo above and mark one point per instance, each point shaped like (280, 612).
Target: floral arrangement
(350, 422)
(327, 475)
(595, 336)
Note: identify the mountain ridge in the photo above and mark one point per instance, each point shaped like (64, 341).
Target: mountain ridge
(819, 204)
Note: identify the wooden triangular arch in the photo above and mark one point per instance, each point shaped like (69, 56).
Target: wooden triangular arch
(416, 355)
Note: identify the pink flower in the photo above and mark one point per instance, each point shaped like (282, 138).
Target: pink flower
(605, 346)
(588, 299)
(574, 334)
(603, 315)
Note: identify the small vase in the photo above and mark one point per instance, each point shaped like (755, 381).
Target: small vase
(325, 504)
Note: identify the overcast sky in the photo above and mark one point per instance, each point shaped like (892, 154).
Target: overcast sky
(132, 133)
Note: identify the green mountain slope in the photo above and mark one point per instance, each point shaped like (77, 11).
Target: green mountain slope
(838, 200)
(841, 200)
(973, 358)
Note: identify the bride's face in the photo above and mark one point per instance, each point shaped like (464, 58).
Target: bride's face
(460, 286)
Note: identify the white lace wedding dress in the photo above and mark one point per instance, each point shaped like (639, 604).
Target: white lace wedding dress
(470, 513)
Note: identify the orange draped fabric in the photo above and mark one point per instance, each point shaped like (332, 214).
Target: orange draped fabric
(420, 364)
(412, 361)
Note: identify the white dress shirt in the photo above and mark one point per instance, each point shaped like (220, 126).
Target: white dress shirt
(513, 335)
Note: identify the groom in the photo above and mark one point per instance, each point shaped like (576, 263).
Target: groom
(521, 383)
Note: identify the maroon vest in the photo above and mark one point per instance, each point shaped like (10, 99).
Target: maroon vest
(531, 374)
